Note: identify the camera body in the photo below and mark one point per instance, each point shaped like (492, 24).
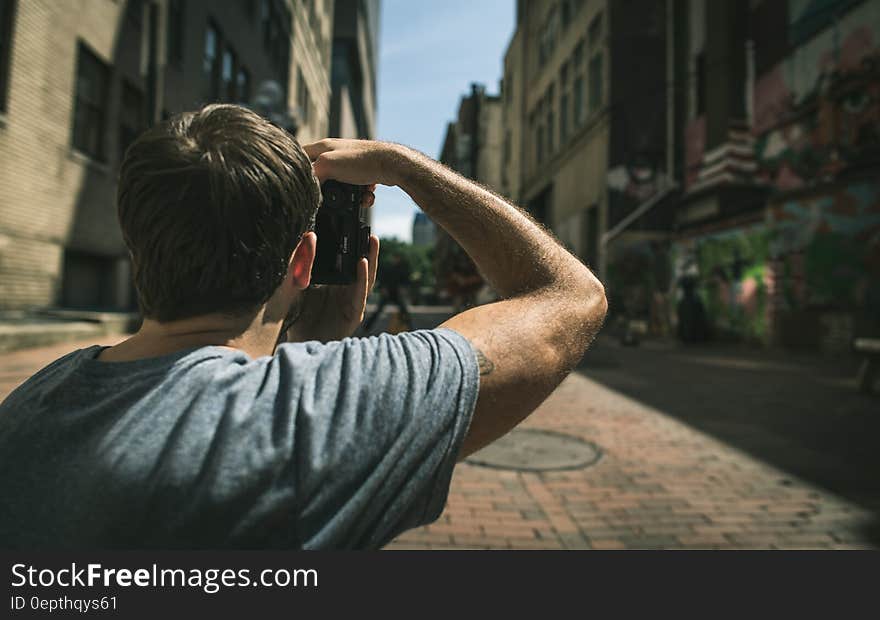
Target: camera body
(343, 234)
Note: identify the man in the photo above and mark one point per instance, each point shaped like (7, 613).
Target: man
(200, 431)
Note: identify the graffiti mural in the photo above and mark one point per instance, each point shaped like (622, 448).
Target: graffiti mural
(814, 257)
(817, 113)
(827, 248)
(730, 271)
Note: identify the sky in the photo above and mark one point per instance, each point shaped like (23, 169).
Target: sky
(429, 53)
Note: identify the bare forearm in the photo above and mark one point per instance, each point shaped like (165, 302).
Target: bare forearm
(513, 252)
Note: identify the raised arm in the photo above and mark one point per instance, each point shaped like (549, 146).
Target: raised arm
(552, 305)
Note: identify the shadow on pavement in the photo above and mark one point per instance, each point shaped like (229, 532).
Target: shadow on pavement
(800, 414)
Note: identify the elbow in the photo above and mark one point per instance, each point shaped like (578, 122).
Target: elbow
(594, 310)
(597, 302)
(601, 302)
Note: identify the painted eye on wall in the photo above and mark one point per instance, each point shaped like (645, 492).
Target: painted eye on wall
(855, 102)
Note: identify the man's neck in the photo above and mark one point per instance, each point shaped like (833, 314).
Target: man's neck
(251, 335)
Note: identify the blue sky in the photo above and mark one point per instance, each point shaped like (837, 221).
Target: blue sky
(429, 53)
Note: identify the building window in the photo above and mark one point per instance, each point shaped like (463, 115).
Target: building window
(595, 32)
(243, 85)
(134, 11)
(90, 104)
(539, 140)
(578, 102)
(227, 75)
(563, 119)
(567, 12)
(211, 63)
(700, 83)
(175, 30)
(548, 36)
(551, 121)
(563, 105)
(131, 116)
(7, 12)
(303, 99)
(596, 83)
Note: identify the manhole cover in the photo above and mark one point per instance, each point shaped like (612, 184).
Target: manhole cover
(536, 450)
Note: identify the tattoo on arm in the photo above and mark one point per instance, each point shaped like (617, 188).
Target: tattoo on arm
(485, 364)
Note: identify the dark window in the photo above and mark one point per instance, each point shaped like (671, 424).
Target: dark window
(243, 85)
(566, 12)
(266, 21)
(539, 139)
(700, 83)
(551, 121)
(90, 103)
(563, 119)
(131, 116)
(303, 98)
(250, 7)
(577, 57)
(211, 63)
(227, 75)
(175, 30)
(7, 12)
(134, 11)
(595, 33)
(596, 82)
(578, 102)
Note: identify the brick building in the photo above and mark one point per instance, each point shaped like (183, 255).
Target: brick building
(773, 145)
(585, 117)
(80, 79)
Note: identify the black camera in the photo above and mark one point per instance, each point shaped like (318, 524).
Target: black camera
(343, 234)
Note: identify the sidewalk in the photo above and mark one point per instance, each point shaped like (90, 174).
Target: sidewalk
(24, 330)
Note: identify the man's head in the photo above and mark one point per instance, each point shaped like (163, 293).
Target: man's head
(213, 205)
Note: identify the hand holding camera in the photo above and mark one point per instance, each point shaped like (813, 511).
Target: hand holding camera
(346, 258)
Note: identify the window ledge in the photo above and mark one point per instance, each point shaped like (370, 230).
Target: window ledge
(90, 162)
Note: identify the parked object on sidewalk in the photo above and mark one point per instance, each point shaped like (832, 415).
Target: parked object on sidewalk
(692, 324)
(870, 348)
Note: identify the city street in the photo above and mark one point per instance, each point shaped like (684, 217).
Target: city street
(713, 447)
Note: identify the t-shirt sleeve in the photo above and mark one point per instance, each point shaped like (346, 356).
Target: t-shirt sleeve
(377, 425)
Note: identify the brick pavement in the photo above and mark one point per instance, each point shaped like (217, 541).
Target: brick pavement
(660, 483)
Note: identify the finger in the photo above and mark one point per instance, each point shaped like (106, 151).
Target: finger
(322, 166)
(369, 199)
(316, 148)
(359, 296)
(373, 259)
(371, 188)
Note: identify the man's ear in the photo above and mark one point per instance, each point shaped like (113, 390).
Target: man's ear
(300, 268)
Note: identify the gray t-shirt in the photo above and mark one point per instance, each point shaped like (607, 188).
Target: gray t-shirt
(340, 445)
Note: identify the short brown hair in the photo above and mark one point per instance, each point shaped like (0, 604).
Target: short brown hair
(212, 203)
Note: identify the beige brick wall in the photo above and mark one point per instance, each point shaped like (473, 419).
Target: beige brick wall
(312, 46)
(43, 182)
(53, 197)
